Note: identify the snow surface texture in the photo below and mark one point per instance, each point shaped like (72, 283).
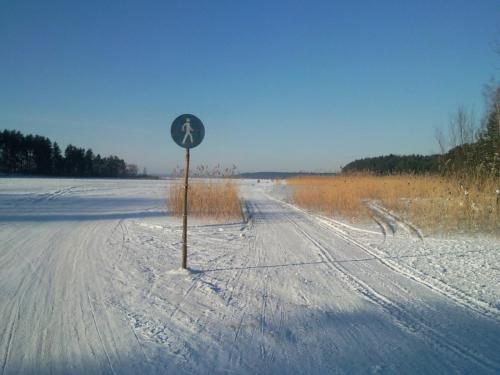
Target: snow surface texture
(90, 284)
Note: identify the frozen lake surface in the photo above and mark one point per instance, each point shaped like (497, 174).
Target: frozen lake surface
(90, 284)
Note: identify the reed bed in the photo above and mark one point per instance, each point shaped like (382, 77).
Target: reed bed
(212, 199)
(433, 203)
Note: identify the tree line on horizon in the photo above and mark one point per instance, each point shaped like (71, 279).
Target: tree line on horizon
(37, 155)
(466, 148)
(394, 164)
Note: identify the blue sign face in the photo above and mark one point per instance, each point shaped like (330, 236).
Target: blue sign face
(187, 131)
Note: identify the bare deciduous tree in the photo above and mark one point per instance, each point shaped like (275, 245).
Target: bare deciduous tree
(462, 128)
(441, 140)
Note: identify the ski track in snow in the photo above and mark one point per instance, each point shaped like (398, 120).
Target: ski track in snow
(89, 284)
(398, 312)
(447, 290)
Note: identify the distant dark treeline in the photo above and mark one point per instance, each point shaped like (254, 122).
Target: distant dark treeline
(396, 164)
(473, 151)
(37, 155)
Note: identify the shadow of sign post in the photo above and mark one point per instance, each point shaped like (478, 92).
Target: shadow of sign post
(188, 132)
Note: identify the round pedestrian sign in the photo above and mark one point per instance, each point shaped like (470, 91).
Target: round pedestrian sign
(187, 131)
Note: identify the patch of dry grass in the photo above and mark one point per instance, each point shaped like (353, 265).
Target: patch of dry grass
(208, 198)
(433, 203)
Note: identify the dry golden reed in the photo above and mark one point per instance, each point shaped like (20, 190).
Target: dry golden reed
(207, 198)
(433, 203)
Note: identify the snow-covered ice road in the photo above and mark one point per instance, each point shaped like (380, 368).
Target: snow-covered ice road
(89, 285)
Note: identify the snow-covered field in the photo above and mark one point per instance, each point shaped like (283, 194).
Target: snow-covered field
(89, 284)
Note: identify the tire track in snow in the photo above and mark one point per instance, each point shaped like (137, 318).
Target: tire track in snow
(125, 236)
(55, 194)
(263, 291)
(272, 311)
(239, 286)
(401, 316)
(19, 300)
(186, 294)
(381, 226)
(99, 333)
(263, 307)
(266, 306)
(250, 209)
(387, 216)
(10, 338)
(438, 286)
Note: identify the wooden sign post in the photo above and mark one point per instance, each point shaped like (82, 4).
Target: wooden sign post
(188, 132)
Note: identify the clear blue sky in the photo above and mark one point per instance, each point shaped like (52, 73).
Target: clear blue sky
(280, 85)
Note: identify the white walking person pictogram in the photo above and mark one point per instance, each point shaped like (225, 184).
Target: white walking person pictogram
(188, 130)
